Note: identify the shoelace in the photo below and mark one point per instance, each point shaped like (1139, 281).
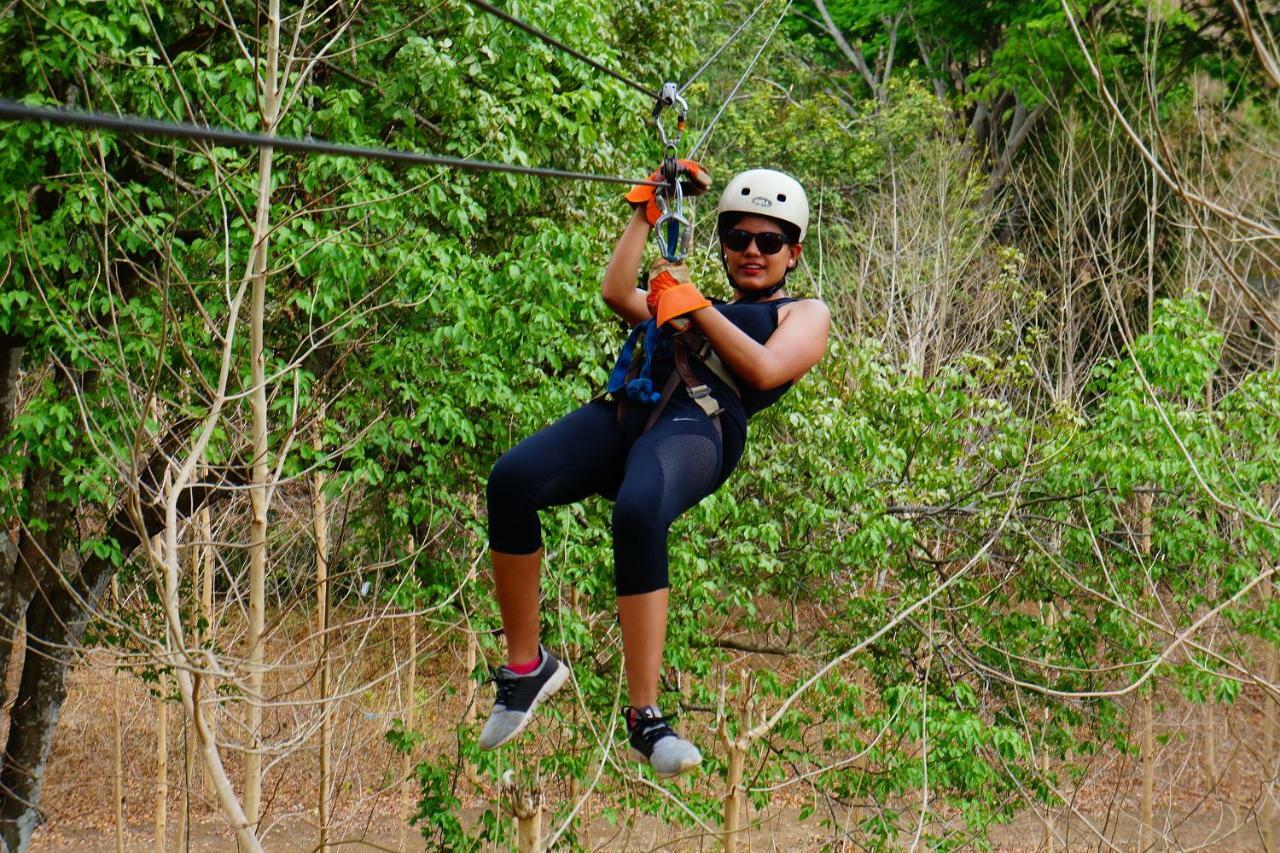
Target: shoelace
(506, 684)
(653, 729)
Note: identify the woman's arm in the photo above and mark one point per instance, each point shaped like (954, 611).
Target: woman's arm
(794, 347)
(619, 288)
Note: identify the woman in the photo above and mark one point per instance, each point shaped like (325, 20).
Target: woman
(655, 459)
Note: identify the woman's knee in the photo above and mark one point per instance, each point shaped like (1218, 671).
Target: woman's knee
(514, 527)
(508, 479)
(639, 548)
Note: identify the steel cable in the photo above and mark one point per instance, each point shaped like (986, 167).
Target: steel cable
(11, 110)
(706, 134)
(553, 41)
(712, 58)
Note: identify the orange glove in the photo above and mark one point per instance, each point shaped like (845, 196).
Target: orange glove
(673, 294)
(694, 180)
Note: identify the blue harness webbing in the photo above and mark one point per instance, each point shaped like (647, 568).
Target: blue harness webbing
(641, 387)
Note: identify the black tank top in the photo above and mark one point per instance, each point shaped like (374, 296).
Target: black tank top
(759, 320)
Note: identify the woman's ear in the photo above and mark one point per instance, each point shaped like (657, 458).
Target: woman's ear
(795, 249)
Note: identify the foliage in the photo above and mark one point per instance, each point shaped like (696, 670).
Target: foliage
(421, 321)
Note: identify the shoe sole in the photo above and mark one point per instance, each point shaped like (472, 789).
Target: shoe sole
(554, 683)
(638, 756)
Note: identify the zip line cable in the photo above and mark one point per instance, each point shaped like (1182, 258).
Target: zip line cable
(706, 134)
(14, 111)
(712, 58)
(551, 40)
(11, 110)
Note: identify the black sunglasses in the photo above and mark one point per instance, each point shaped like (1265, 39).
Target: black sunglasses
(768, 242)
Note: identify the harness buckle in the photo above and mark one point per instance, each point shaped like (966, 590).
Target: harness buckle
(701, 395)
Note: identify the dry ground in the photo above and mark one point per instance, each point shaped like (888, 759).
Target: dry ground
(371, 802)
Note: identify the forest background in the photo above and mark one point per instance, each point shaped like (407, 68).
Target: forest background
(1012, 541)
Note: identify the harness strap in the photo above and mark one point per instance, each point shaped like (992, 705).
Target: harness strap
(704, 353)
(632, 372)
(667, 390)
(700, 393)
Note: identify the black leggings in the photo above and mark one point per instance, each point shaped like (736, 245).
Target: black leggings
(651, 477)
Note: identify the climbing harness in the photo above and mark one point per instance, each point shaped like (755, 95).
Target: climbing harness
(682, 348)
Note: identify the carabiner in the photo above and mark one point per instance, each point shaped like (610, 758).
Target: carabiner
(672, 230)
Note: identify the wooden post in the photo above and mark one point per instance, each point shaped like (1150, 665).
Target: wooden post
(525, 804)
(204, 548)
(1146, 831)
(117, 776)
(736, 749)
(320, 527)
(162, 765)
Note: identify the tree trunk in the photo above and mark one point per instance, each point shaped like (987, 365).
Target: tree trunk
(41, 534)
(1268, 814)
(55, 624)
(11, 349)
(258, 404)
(1146, 829)
(56, 621)
(1146, 832)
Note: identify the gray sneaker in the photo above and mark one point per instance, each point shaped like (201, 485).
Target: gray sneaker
(518, 696)
(653, 742)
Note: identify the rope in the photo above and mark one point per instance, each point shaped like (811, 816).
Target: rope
(706, 134)
(712, 58)
(150, 127)
(554, 42)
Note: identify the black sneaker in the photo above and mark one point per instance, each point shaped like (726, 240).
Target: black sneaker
(653, 742)
(518, 695)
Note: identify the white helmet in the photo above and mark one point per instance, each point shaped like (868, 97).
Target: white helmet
(767, 192)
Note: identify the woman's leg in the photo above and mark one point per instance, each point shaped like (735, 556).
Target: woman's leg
(565, 462)
(644, 632)
(575, 457)
(669, 469)
(515, 576)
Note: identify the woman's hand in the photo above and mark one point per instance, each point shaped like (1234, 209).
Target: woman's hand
(672, 294)
(694, 180)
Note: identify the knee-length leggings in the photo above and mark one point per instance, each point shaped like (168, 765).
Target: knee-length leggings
(652, 477)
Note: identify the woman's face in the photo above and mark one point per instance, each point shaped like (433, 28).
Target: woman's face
(751, 268)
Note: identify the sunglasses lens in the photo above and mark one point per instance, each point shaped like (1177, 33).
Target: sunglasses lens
(767, 242)
(770, 243)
